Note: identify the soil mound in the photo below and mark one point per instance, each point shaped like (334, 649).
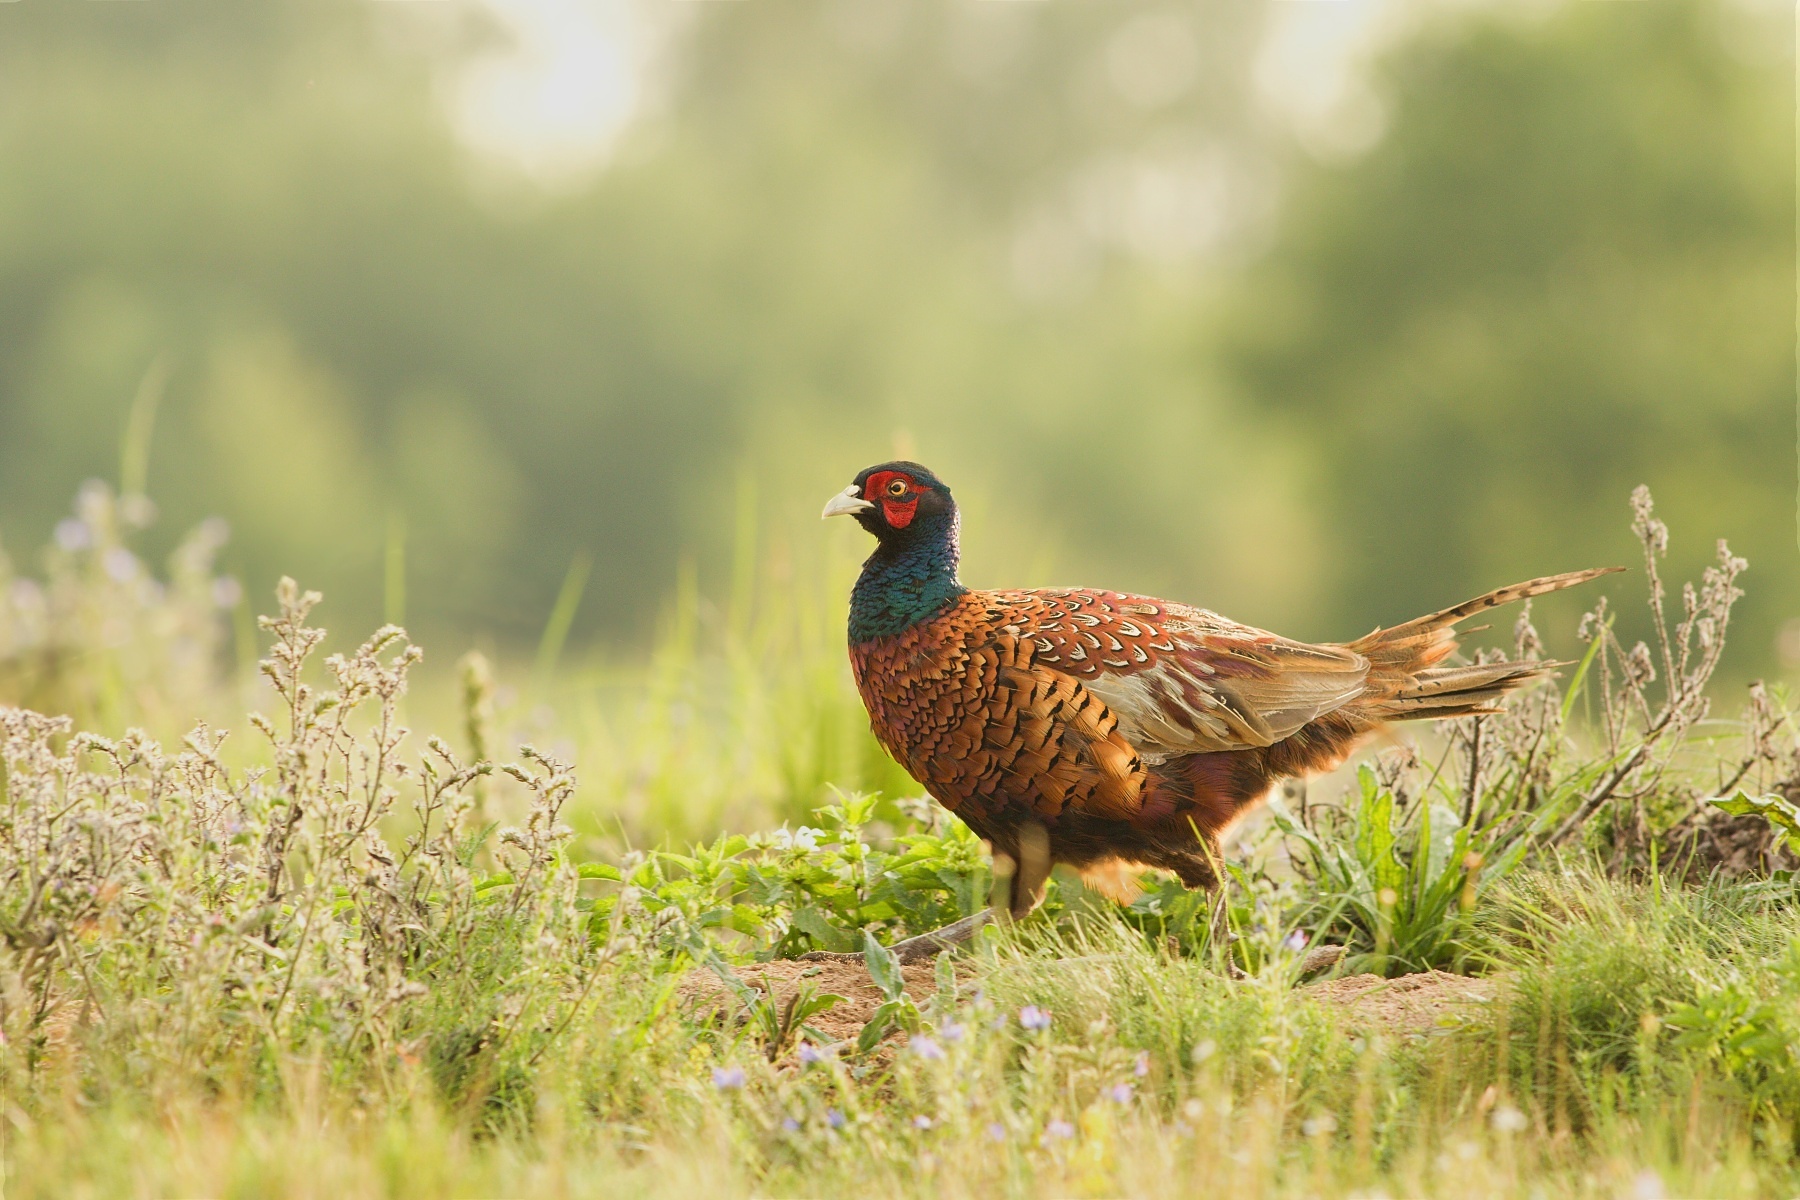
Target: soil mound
(1410, 1004)
(702, 991)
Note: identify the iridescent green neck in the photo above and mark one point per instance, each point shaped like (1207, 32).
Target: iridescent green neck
(907, 580)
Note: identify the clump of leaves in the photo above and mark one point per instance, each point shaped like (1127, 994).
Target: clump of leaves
(1401, 885)
(775, 1024)
(1743, 1033)
(897, 1008)
(781, 894)
(1401, 867)
(1781, 813)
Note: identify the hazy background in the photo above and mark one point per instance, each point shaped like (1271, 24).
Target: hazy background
(1323, 314)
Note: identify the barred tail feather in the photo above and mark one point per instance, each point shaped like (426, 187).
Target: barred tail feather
(1442, 692)
(1406, 682)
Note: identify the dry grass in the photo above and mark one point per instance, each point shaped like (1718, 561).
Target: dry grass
(323, 957)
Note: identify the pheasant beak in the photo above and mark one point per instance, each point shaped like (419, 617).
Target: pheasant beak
(845, 503)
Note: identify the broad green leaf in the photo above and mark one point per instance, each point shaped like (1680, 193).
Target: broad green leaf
(743, 991)
(745, 919)
(814, 924)
(1440, 830)
(811, 1004)
(1375, 835)
(944, 972)
(884, 968)
(1777, 810)
(877, 1028)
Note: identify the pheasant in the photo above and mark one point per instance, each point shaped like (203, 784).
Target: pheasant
(1114, 732)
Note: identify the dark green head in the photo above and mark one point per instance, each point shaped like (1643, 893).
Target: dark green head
(912, 573)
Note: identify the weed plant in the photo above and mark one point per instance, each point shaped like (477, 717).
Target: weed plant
(320, 956)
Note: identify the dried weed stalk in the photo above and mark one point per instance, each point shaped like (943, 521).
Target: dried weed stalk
(1520, 776)
(1643, 732)
(165, 915)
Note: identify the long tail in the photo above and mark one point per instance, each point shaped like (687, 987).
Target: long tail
(1407, 684)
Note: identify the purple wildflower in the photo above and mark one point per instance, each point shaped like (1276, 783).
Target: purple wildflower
(1121, 1093)
(921, 1122)
(996, 1131)
(950, 1031)
(810, 1054)
(1296, 941)
(789, 1125)
(834, 1118)
(925, 1048)
(1058, 1131)
(1141, 1067)
(1034, 1018)
(728, 1079)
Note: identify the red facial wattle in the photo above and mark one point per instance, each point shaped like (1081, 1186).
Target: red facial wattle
(899, 511)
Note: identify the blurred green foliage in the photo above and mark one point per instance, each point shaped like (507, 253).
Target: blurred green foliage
(1320, 395)
(1568, 269)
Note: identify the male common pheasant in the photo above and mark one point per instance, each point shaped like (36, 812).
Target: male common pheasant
(1114, 732)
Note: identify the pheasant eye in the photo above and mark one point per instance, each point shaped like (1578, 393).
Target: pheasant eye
(897, 488)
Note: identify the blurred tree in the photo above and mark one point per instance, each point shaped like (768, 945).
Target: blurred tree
(988, 235)
(970, 227)
(1567, 269)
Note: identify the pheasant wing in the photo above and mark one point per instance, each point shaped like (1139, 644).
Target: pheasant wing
(1184, 680)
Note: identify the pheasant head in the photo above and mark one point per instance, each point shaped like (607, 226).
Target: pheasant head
(912, 573)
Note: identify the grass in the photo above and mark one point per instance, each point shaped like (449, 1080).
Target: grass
(325, 956)
(1558, 1093)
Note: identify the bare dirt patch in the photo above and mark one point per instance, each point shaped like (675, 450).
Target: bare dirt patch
(701, 991)
(1410, 1004)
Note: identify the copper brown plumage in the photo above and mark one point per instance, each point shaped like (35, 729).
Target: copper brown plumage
(1110, 731)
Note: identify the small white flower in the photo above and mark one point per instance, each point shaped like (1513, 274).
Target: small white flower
(121, 564)
(1321, 1124)
(137, 510)
(27, 596)
(73, 535)
(805, 838)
